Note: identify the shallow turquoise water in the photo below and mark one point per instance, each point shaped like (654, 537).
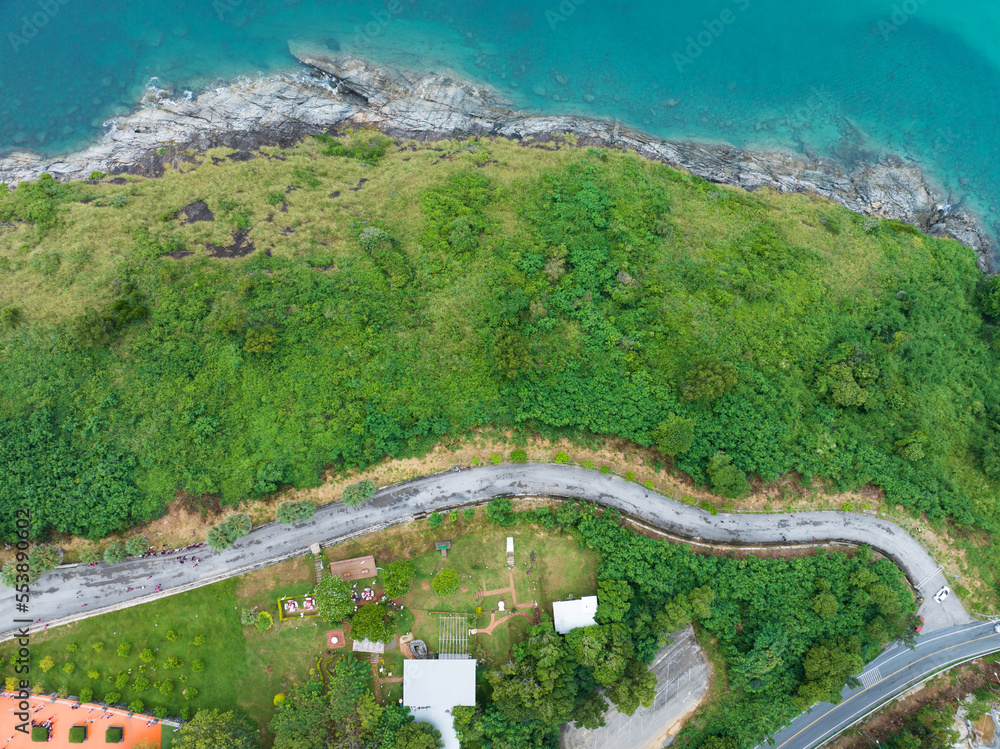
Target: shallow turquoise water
(848, 79)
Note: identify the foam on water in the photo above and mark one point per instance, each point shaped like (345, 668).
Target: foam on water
(852, 79)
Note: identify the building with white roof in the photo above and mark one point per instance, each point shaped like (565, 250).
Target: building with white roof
(431, 688)
(569, 615)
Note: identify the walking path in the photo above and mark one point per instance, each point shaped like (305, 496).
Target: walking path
(53, 598)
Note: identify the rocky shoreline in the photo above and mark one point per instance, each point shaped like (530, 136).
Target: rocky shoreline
(341, 91)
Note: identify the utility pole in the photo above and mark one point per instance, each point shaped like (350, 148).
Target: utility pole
(869, 738)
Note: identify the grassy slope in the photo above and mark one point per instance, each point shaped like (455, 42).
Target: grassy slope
(352, 338)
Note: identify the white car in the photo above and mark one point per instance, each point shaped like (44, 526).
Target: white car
(996, 627)
(941, 595)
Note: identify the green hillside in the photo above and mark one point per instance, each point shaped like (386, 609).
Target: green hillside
(392, 299)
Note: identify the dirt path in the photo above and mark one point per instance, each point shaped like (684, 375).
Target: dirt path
(494, 621)
(483, 593)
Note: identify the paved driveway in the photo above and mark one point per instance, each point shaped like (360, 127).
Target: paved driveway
(54, 598)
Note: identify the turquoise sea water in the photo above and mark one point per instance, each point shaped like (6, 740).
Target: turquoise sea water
(848, 79)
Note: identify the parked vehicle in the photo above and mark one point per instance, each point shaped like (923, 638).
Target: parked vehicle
(941, 595)
(919, 626)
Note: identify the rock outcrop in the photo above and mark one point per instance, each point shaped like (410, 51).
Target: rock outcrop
(344, 90)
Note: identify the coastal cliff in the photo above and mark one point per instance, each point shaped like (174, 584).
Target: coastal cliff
(342, 91)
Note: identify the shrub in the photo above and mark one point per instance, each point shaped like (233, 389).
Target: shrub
(197, 665)
(649, 485)
(146, 655)
(445, 582)
(365, 146)
(94, 674)
(112, 697)
(86, 694)
(166, 687)
(397, 578)
(171, 635)
(77, 734)
(72, 647)
(115, 553)
(136, 706)
(140, 684)
(121, 680)
(355, 494)
(248, 617)
(605, 470)
(46, 663)
(290, 512)
(630, 475)
(435, 519)
(223, 535)
(264, 621)
(137, 545)
(12, 683)
(199, 640)
(278, 699)
(98, 646)
(161, 712)
(543, 516)
(518, 456)
(69, 667)
(173, 662)
(562, 458)
(190, 693)
(496, 458)
(469, 512)
(501, 511)
(96, 175)
(124, 649)
(114, 735)
(588, 464)
(453, 516)
(274, 197)
(91, 554)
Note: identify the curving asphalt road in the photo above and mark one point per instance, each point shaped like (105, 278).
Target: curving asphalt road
(893, 672)
(73, 592)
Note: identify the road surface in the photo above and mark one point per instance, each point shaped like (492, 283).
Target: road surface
(892, 673)
(73, 592)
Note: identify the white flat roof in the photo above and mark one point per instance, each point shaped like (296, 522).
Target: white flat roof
(572, 614)
(510, 544)
(441, 719)
(439, 683)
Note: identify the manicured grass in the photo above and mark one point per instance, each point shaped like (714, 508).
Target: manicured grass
(207, 612)
(243, 667)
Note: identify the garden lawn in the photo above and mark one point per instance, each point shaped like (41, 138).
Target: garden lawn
(208, 612)
(561, 569)
(243, 667)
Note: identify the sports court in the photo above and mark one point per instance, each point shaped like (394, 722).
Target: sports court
(63, 715)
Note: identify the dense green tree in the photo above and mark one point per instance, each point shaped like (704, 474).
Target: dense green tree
(675, 435)
(333, 599)
(397, 577)
(214, 729)
(369, 623)
(419, 735)
(706, 380)
(726, 479)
